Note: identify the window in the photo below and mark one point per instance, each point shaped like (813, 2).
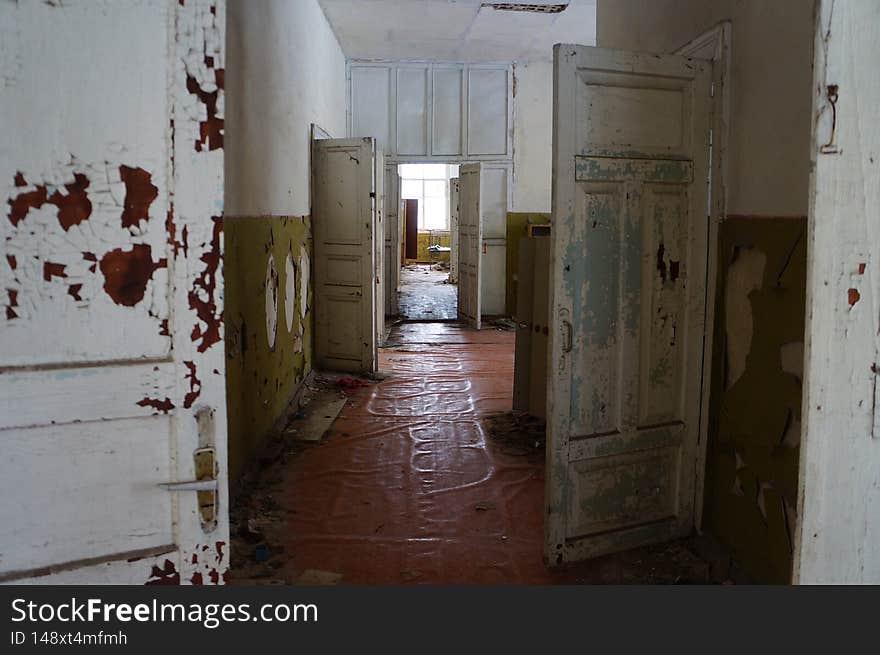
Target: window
(429, 184)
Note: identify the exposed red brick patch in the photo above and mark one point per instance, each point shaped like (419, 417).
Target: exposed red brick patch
(163, 406)
(862, 269)
(126, 273)
(163, 328)
(195, 385)
(19, 179)
(210, 129)
(75, 207)
(13, 262)
(206, 285)
(73, 291)
(51, 269)
(140, 192)
(196, 578)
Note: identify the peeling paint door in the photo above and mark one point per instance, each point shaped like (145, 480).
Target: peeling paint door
(628, 285)
(470, 238)
(112, 389)
(345, 254)
(454, 190)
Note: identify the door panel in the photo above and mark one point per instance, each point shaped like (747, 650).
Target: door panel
(392, 226)
(111, 353)
(470, 244)
(494, 178)
(345, 253)
(628, 298)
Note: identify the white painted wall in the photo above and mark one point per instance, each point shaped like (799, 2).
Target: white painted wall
(532, 136)
(771, 109)
(285, 71)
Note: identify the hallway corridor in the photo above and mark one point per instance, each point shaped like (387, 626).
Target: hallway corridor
(426, 295)
(409, 486)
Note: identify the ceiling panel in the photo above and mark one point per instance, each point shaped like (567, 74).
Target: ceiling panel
(456, 30)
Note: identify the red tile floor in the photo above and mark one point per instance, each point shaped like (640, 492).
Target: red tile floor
(407, 486)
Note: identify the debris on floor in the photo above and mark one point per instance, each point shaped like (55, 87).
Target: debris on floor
(311, 423)
(504, 323)
(519, 434)
(426, 294)
(350, 385)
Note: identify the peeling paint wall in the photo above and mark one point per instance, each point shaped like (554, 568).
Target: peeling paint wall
(755, 407)
(517, 226)
(269, 325)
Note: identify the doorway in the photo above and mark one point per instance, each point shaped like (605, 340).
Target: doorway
(428, 287)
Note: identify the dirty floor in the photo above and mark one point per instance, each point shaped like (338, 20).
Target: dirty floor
(424, 477)
(425, 294)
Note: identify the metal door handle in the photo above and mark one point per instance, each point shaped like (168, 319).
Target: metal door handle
(191, 485)
(566, 336)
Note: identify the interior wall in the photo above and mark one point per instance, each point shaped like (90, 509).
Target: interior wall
(757, 381)
(285, 71)
(532, 136)
(768, 158)
(266, 360)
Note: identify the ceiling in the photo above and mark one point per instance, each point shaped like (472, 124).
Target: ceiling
(457, 30)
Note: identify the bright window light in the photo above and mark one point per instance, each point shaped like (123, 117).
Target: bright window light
(429, 184)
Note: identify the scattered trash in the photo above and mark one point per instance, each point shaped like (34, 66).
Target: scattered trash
(350, 385)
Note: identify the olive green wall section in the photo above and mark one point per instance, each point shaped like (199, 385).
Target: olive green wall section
(261, 381)
(517, 225)
(755, 406)
(438, 238)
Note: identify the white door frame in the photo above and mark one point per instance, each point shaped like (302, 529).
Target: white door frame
(837, 538)
(713, 45)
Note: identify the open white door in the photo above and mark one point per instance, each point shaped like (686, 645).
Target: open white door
(112, 393)
(628, 271)
(470, 237)
(454, 189)
(343, 182)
